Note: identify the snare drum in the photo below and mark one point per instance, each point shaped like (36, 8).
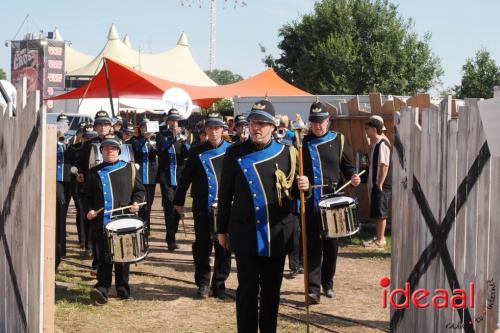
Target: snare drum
(127, 240)
(95, 158)
(339, 216)
(213, 220)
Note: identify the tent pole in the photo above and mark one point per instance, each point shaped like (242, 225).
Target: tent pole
(108, 84)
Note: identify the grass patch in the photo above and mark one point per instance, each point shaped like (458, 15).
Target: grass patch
(355, 243)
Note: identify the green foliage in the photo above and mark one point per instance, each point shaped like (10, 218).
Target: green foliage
(223, 76)
(223, 106)
(3, 75)
(479, 76)
(355, 47)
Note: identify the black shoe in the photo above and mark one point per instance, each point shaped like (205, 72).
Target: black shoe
(293, 273)
(203, 291)
(98, 297)
(329, 292)
(172, 247)
(122, 294)
(220, 294)
(314, 299)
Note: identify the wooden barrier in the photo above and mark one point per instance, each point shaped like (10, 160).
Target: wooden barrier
(27, 219)
(445, 226)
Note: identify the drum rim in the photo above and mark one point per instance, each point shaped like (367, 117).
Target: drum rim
(333, 195)
(123, 217)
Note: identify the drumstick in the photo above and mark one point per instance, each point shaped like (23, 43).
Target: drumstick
(122, 208)
(348, 183)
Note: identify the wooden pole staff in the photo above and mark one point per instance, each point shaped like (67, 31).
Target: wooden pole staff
(299, 125)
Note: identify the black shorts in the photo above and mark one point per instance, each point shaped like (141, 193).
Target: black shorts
(379, 204)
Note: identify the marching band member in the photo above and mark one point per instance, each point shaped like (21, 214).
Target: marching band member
(118, 127)
(241, 128)
(173, 150)
(63, 187)
(102, 127)
(145, 154)
(109, 185)
(203, 172)
(128, 133)
(255, 220)
(325, 156)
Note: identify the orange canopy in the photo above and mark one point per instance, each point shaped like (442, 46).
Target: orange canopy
(127, 82)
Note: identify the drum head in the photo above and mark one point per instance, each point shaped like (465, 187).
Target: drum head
(126, 223)
(337, 201)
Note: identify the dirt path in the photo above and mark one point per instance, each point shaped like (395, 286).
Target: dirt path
(164, 292)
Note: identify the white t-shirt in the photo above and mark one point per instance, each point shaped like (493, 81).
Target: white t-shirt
(384, 157)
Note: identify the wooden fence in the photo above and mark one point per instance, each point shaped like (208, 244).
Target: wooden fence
(27, 219)
(446, 208)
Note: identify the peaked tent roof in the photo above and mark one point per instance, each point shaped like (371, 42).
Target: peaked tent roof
(73, 59)
(130, 83)
(176, 64)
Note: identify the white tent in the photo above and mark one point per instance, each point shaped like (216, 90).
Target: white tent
(177, 64)
(73, 59)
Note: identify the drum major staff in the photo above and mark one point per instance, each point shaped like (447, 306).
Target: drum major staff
(109, 185)
(255, 219)
(325, 156)
(203, 172)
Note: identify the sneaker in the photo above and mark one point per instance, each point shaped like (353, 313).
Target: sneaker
(203, 291)
(374, 243)
(294, 272)
(98, 297)
(314, 298)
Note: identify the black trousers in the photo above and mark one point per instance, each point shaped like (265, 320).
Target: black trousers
(74, 193)
(258, 276)
(63, 196)
(171, 216)
(105, 266)
(202, 248)
(295, 255)
(321, 253)
(145, 211)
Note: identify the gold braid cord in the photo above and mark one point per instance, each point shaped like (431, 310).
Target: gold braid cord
(283, 182)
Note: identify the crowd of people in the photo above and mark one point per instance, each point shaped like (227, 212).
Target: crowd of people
(247, 170)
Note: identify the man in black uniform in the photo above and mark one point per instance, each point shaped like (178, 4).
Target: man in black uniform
(172, 153)
(128, 133)
(203, 172)
(241, 128)
(102, 127)
(109, 185)
(63, 187)
(255, 220)
(325, 156)
(146, 155)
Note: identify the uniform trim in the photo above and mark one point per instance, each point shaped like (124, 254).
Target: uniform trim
(60, 162)
(317, 167)
(107, 188)
(248, 165)
(206, 159)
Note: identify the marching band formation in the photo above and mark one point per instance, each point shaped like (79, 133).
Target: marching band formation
(245, 183)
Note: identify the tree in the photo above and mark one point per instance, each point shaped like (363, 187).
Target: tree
(355, 47)
(479, 76)
(3, 75)
(223, 76)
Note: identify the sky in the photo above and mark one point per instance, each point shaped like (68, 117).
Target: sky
(459, 28)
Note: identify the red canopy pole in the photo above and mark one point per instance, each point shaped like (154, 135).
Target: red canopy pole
(108, 84)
